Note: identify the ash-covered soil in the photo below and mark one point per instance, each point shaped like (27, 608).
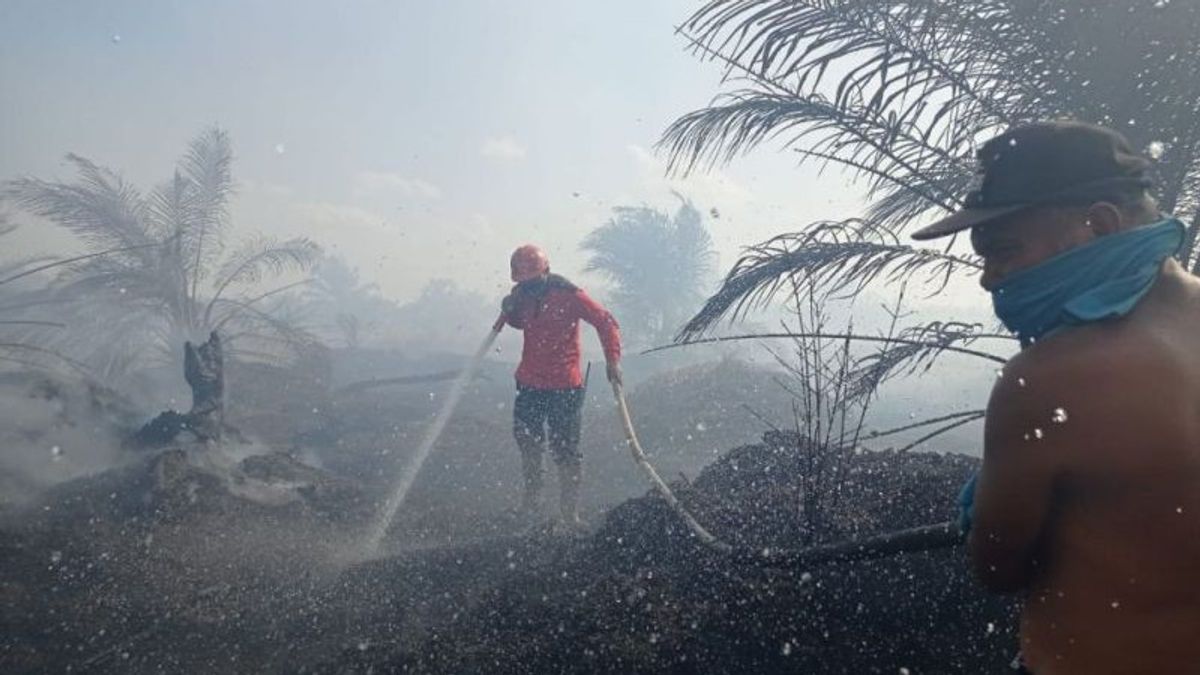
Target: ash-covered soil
(250, 559)
(167, 567)
(639, 595)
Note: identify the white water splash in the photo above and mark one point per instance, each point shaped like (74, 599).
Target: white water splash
(409, 474)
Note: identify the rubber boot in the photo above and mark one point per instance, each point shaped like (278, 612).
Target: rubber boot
(570, 475)
(531, 498)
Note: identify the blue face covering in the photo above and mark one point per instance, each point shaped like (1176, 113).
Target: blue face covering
(1103, 279)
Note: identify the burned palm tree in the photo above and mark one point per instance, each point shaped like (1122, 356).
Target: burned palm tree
(899, 92)
(168, 274)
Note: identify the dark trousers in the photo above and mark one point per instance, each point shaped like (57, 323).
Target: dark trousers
(558, 410)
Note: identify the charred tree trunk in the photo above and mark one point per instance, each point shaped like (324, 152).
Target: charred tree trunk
(204, 370)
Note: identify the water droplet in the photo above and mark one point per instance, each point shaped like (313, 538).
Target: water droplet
(362, 646)
(1156, 149)
(905, 671)
(55, 453)
(701, 427)
(280, 148)
(1159, 4)
(1059, 416)
(1037, 433)
(1178, 509)
(1020, 382)
(55, 557)
(122, 291)
(1116, 604)
(999, 373)
(991, 628)
(786, 649)
(116, 39)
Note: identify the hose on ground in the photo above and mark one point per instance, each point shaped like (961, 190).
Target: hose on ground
(924, 538)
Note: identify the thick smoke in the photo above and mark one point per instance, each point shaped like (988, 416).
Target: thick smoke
(52, 430)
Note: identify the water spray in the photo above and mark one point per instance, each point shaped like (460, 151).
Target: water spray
(409, 474)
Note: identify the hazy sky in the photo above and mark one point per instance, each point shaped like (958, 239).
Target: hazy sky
(420, 139)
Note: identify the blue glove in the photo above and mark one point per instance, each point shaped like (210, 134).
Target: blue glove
(966, 504)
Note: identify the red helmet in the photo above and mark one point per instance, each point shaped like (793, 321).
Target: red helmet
(529, 262)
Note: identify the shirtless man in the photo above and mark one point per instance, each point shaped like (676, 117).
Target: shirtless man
(1088, 501)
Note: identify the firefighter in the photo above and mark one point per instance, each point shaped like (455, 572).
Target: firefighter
(548, 411)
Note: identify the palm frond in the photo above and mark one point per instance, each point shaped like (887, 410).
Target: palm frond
(915, 349)
(242, 305)
(45, 263)
(886, 52)
(271, 338)
(208, 167)
(877, 145)
(829, 257)
(101, 208)
(851, 337)
(259, 256)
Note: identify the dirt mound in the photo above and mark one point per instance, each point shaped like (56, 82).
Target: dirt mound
(641, 596)
(685, 419)
(180, 562)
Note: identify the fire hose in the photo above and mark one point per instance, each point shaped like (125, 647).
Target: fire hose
(925, 538)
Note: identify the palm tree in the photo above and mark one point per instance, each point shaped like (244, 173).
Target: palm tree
(900, 92)
(659, 265)
(159, 269)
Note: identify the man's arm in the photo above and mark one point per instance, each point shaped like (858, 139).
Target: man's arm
(1023, 450)
(606, 328)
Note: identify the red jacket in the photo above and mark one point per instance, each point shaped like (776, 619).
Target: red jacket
(550, 357)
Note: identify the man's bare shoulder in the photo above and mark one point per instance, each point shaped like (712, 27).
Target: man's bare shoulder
(1091, 387)
(1138, 350)
(1097, 353)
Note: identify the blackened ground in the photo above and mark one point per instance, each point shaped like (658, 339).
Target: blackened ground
(161, 567)
(640, 596)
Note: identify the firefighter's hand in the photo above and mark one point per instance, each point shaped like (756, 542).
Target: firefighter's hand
(614, 373)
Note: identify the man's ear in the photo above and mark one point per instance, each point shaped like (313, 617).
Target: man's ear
(1105, 218)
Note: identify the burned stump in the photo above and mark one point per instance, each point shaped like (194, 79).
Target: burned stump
(204, 370)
